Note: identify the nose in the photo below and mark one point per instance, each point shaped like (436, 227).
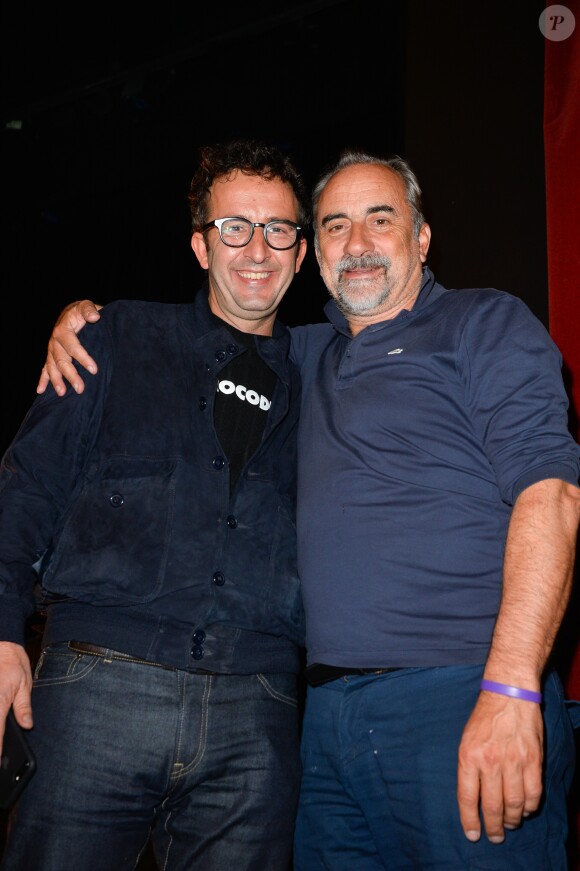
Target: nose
(257, 248)
(358, 241)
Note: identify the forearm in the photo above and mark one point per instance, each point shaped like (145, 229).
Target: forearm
(538, 572)
(501, 751)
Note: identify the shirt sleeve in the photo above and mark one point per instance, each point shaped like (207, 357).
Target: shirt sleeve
(39, 473)
(516, 395)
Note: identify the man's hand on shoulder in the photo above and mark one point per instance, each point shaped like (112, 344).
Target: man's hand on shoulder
(64, 347)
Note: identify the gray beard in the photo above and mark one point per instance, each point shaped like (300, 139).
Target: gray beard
(363, 301)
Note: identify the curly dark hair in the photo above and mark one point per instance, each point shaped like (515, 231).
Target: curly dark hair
(250, 157)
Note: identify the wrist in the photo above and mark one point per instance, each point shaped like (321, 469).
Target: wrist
(514, 692)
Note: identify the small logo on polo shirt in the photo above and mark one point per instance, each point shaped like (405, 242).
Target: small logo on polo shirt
(395, 351)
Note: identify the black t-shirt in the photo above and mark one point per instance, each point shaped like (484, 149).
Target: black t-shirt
(244, 395)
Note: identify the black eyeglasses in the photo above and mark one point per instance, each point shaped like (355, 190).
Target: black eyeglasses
(237, 232)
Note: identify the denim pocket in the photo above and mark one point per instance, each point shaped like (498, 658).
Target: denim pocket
(573, 708)
(282, 687)
(57, 664)
(539, 856)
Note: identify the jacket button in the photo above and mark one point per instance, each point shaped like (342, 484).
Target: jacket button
(219, 462)
(232, 522)
(202, 403)
(220, 356)
(219, 579)
(197, 652)
(116, 500)
(199, 636)
(232, 349)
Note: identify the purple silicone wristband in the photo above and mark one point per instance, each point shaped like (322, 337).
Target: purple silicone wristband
(515, 692)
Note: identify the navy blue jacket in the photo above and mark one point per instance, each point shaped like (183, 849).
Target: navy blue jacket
(119, 499)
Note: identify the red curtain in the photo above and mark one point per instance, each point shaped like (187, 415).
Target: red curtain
(562, 166)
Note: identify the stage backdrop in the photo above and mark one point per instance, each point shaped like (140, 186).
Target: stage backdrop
(562, 155)
(562, 163)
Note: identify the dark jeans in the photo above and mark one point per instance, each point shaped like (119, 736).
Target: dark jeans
(209, 764)
(379, 788)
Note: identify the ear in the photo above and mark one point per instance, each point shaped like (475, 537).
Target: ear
(302, 246)
(200, 249)
(318, 258)
(424, 241)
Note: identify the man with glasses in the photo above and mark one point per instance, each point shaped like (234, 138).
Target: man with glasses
(158, 509)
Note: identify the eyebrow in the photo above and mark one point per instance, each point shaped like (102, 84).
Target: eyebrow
(265, 221)
(372, 210)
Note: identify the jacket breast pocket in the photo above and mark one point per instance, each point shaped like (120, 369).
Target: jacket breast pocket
(114, 543)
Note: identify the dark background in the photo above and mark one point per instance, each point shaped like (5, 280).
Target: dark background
(104, 107)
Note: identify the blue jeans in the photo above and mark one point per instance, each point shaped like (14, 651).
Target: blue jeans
(379, 784)
(209, 765)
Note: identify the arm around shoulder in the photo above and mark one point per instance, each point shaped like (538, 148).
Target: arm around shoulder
(64, 347)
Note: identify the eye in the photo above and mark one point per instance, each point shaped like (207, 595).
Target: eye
(232, 228)
(281, 229)
(335, 229)
(381, 221)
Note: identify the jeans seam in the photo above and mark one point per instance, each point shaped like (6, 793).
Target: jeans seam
(176, 775)
(70, 677)
(281, 697)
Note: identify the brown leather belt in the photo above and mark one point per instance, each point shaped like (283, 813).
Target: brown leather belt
(107, 653)
(318, 674)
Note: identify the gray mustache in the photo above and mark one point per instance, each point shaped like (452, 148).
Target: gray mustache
(367, 261)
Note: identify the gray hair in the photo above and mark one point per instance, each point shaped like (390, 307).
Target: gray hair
(396, 163)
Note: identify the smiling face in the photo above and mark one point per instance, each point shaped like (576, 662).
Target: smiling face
(369, 254)
(246, 285)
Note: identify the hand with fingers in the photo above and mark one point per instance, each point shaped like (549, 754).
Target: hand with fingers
(64, 347)
(15, 685)
(500, 766)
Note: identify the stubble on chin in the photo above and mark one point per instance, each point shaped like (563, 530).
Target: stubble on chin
(360, 296)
